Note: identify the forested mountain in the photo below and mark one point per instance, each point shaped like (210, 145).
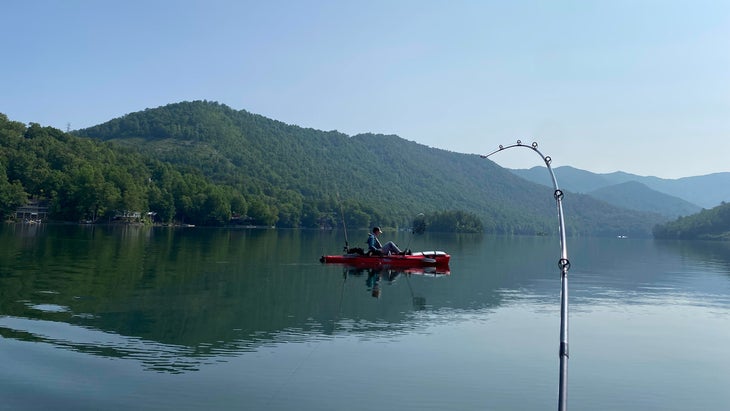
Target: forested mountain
(297, 173)
(712, 224)
(203, 162)
(705, 191)
(636, 196)
(83, 179)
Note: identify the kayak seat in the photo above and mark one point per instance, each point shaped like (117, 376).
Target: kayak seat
(374, 252)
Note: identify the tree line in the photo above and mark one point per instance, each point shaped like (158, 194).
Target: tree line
(204, 163)
(712, 224)
(81, 179)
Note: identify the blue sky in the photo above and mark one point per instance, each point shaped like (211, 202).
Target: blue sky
(637, 86)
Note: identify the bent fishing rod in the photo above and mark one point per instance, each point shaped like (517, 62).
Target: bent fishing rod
(564, 265)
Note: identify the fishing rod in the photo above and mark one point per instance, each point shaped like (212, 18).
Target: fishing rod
(413, 229)
(564, 265)
(344, 227)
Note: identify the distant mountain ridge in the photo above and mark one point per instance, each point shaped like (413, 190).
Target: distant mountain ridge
(703, 191)
(636, 196)
(296, 172)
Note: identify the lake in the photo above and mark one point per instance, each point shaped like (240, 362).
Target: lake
(140, 318)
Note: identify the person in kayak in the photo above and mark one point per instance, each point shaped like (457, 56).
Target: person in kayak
(374, 246)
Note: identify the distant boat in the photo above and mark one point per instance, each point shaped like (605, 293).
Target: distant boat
(621, 236)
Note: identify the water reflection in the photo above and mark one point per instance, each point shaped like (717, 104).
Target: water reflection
(173, 299)
(713, 255)
(153, 356)
(177, 299)
(375, 276)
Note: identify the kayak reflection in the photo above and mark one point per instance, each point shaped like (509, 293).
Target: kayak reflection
(376, 276)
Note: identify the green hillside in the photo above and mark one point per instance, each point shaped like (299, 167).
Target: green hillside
(205, 163)
(712, 224)
(298, 173)
(83, 179)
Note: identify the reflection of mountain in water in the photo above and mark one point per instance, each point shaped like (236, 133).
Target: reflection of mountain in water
(175, 299)
(713, 254)
(155, 356)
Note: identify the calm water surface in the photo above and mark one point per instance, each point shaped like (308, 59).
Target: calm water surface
(100, 318)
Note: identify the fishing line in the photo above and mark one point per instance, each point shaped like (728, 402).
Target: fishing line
(289, 377)
(286, 381)
(413, 229)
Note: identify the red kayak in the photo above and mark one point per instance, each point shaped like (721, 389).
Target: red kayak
(420, 259)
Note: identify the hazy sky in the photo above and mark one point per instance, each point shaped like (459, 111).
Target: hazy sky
(636, 86)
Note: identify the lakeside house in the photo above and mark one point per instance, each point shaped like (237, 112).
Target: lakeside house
(33, 212)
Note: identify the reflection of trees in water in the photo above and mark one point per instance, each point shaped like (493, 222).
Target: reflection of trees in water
(715, 254)
(153, 356)
(175, 299)
(178, 359)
